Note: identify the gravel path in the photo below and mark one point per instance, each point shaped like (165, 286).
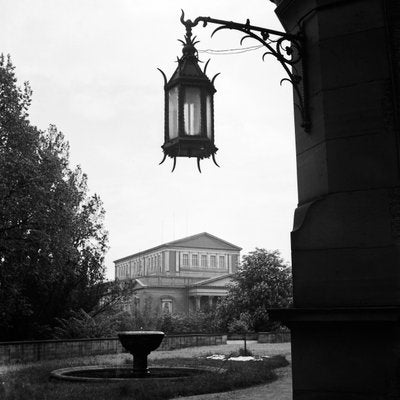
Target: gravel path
(281, 389)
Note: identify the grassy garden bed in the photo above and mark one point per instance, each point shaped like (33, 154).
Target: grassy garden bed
(33, 383)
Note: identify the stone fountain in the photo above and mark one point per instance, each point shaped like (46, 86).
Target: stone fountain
(140, 344)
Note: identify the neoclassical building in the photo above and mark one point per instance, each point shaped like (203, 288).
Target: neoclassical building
(182, 275)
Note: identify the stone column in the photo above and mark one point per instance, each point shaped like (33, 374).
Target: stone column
(198, 303)
(346, 235)
(210, 302)
(191, 304)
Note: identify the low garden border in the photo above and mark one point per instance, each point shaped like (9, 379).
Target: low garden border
(31, 351)
(273, 337)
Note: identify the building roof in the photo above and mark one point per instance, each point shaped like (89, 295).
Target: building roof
(213, 280)
(202, 240)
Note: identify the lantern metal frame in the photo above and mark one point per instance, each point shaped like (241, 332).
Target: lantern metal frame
(189, 75)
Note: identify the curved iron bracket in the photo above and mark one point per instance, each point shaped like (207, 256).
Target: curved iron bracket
(287, 48)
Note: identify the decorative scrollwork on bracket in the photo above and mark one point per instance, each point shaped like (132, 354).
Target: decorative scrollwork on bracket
(285, 47)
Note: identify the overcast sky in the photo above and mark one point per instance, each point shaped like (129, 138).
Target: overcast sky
(92, 65)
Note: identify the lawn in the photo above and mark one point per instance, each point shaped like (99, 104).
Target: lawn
(32, 381)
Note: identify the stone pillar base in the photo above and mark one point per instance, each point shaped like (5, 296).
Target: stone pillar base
(346, 354)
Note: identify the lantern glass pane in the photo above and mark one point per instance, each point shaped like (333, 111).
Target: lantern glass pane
(192, 111)
(173, 113)
(209, 116)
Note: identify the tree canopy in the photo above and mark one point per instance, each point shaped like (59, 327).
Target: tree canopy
(52, 237)
(262, 281)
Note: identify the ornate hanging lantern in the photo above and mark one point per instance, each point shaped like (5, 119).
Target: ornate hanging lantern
(189, 107)
(189, 104)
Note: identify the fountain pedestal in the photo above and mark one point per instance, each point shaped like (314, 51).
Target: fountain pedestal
(140, 344)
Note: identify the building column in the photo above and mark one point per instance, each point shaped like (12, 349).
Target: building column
(345, 322)
(210, 302)
(198, 304)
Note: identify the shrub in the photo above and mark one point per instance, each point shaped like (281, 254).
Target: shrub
(195, 322)
(83, 325)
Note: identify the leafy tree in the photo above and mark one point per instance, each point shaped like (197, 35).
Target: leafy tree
(241, 326)
(52, 239)
(263, 281)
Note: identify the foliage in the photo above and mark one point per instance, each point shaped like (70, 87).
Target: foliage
(112, 294)
(106, 319)
(145, 319)
(82, 325)
(263, 281)
(175, 323)
(195, 322)
(241, 324)
(33, 382)
(244, 351)
(52, 239)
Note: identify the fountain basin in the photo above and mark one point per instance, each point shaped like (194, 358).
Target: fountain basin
(140, 344)
(123, 373)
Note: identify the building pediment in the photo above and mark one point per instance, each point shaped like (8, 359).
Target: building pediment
(219, 281)
(138, 284)
(211, 287)
(204, 241)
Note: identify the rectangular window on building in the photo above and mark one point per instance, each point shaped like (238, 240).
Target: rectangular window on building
(166, 261)
(213, 261)
(204, 261)
(195, 260)
(222, 261)
(166, 306)
(185, 260)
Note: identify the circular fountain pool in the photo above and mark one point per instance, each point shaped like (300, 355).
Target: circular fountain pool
(140, 344)
(99, 373)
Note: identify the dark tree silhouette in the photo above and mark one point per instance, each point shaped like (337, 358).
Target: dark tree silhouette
(52, 239)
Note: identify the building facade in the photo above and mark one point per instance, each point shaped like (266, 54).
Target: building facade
(182, 275)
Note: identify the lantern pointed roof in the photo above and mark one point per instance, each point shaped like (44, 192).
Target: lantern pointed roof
(188, 66)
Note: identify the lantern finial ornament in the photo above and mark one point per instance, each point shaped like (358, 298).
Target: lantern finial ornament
(189, 106)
